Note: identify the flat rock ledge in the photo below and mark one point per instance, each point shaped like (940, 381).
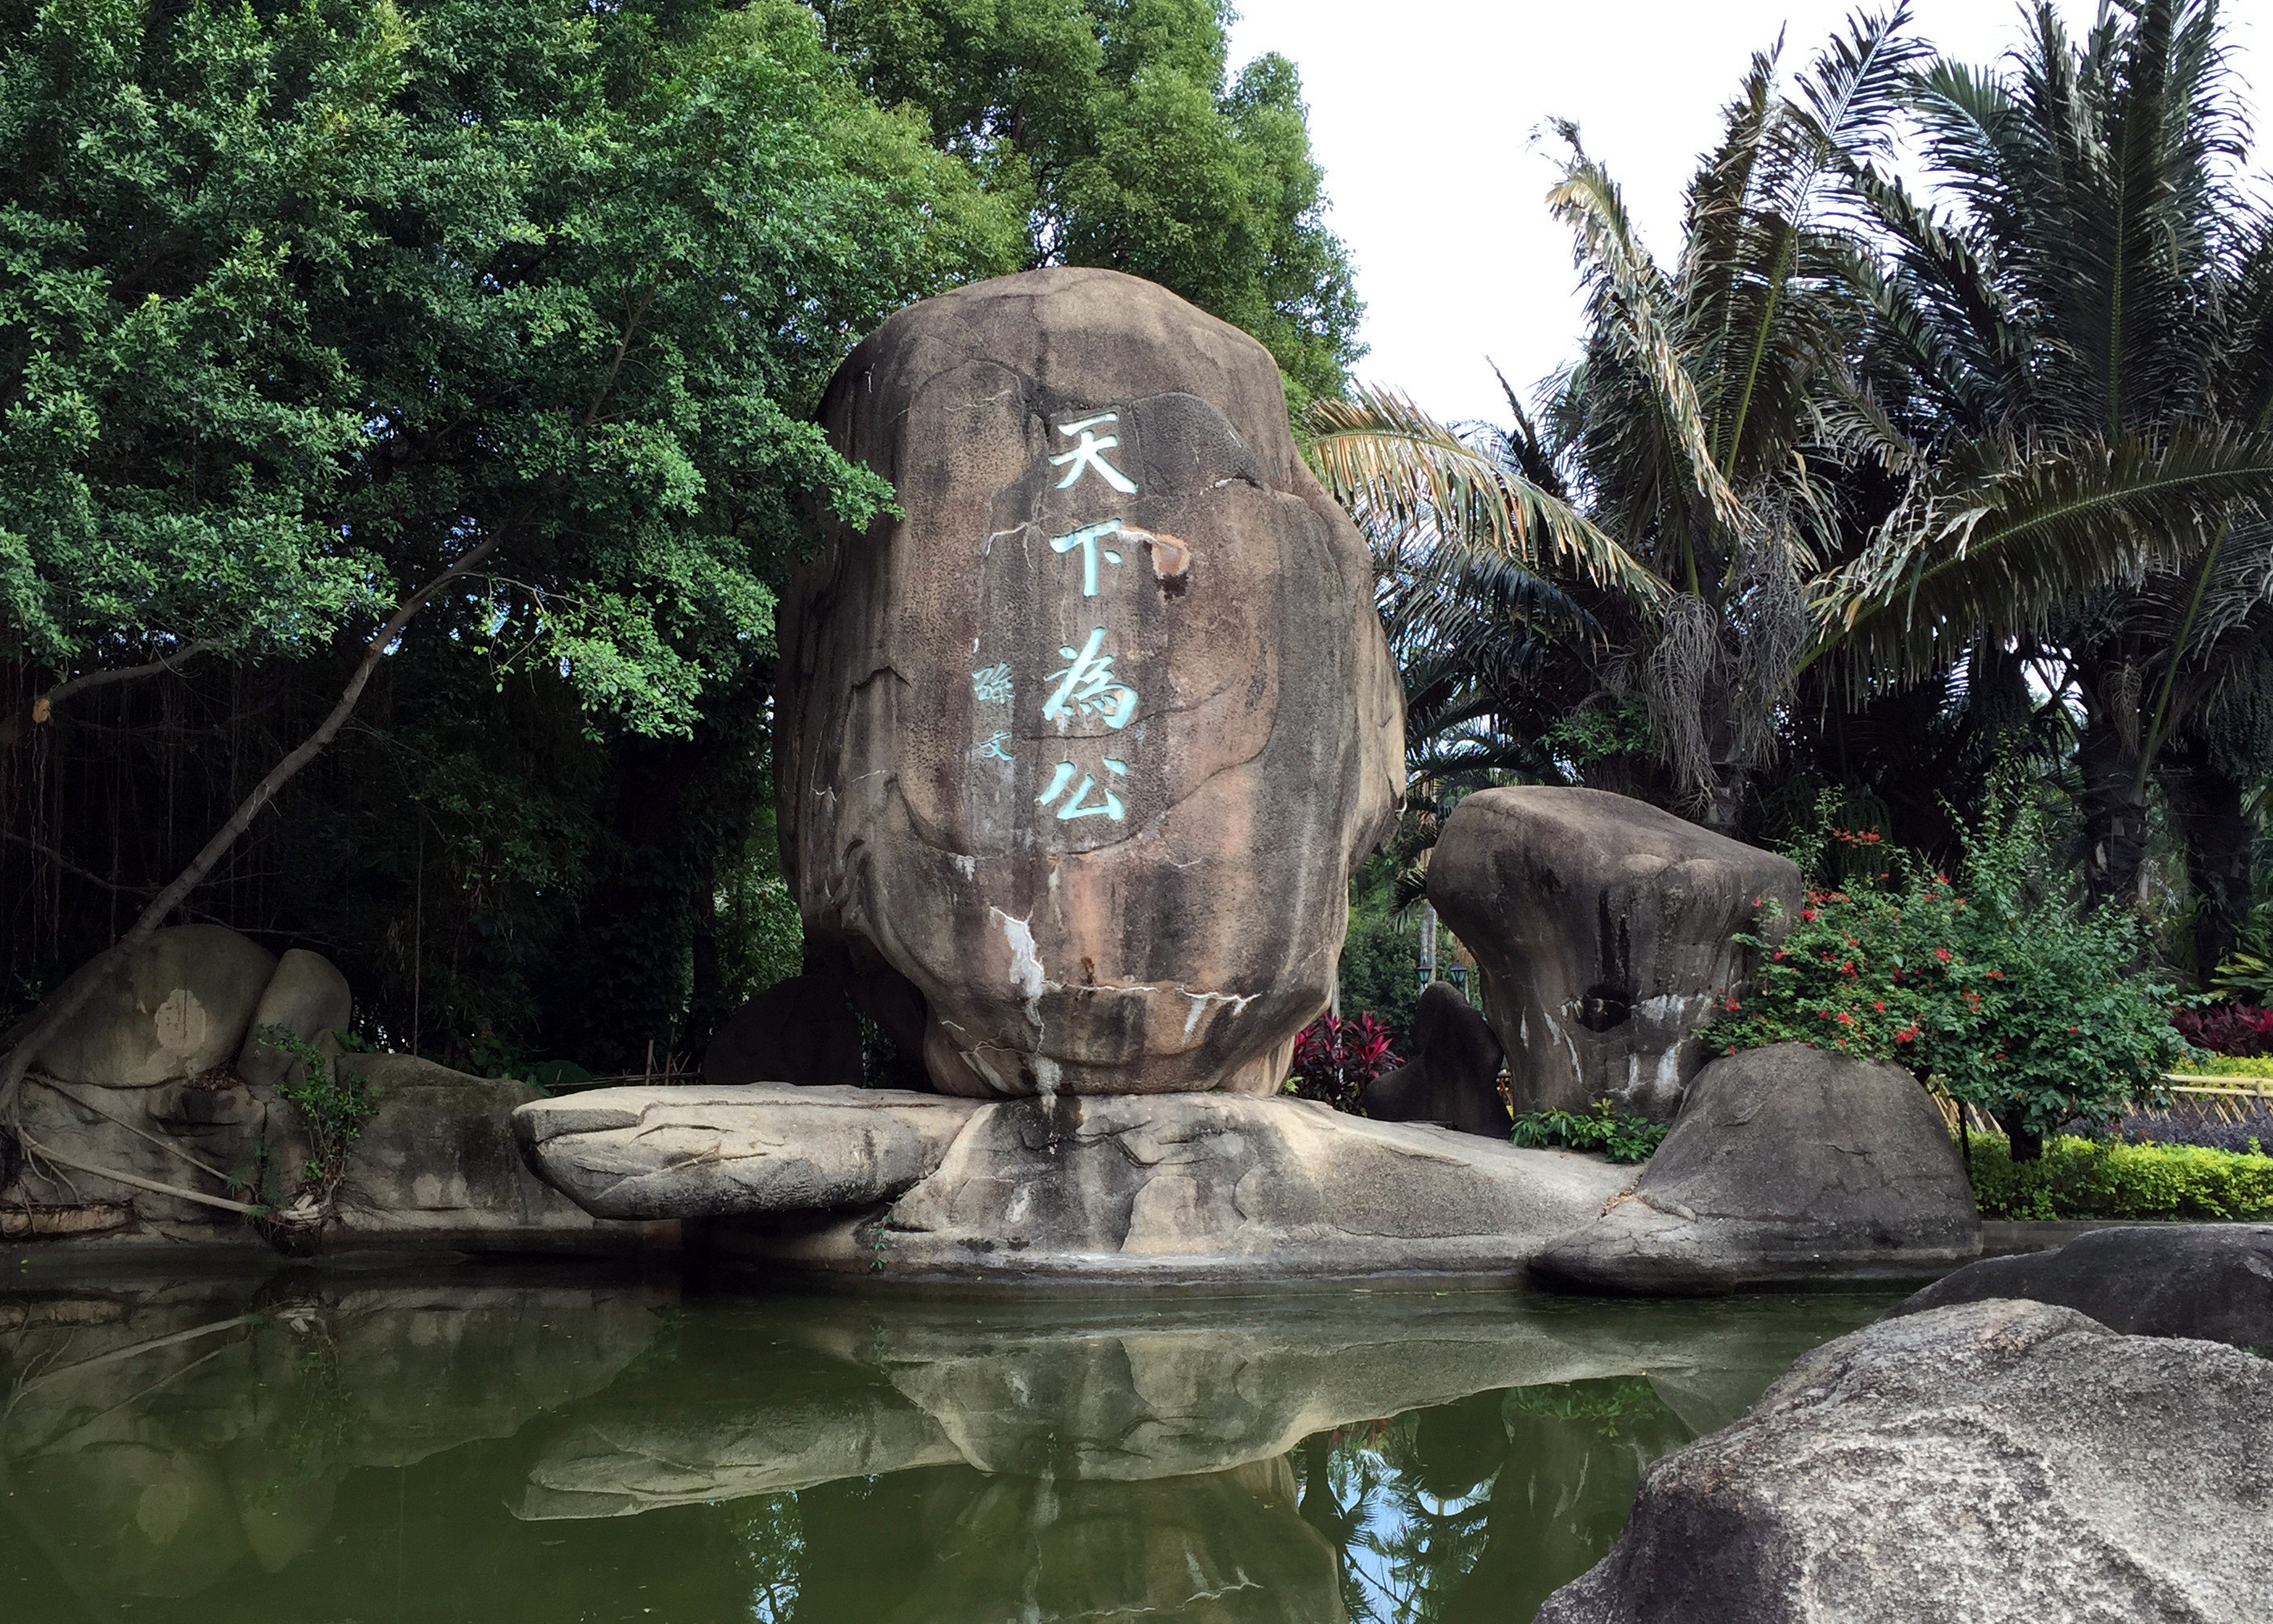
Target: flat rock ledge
(1199, 1187)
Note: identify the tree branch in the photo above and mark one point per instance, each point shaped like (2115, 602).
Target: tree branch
(76, 992)
(43, 708)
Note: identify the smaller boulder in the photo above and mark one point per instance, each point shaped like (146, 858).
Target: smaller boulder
(1453, 1076)
(1788, 1165)
(178, 1006)
(2213, 1282)
(1602, 928)
(1992, 1461)
(308, 997)
(800, 1031)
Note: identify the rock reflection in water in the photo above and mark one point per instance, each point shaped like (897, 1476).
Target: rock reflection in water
(562, 1453)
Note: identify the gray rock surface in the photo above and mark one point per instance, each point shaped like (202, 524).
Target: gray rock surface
(308, 997)
(799, 1031)
(707, 1152)
(1076, 757)
(2210, 1280)
(1204, 1186)
(1787, 1165)
(1601, 926)
(440, 1156)
(1453, 1075)
(1994, 1460)
(178, 1006)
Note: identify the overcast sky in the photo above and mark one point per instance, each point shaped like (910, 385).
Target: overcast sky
(1428, 116)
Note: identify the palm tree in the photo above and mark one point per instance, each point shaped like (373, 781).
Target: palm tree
(2081, 359)
(1685, 488)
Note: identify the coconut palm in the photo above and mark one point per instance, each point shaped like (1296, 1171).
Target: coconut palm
(2081, 356)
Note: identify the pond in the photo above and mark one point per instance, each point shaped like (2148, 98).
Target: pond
(508, 1445)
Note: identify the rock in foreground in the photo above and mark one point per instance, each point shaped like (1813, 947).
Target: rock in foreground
(1997, 1461)
(1788, 1165)
(1602, 925)
(1208, 1187)
(2210, 1281)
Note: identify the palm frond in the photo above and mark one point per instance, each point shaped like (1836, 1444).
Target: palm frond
(1397, 468)
(2013, 532)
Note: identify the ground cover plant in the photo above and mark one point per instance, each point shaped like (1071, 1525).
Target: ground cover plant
(1602, 1127)
(2077, 1177)
(2003, 990)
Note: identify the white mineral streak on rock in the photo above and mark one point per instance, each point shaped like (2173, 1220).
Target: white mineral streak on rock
(1025, 967)
(966, 865)
(1201, 1000)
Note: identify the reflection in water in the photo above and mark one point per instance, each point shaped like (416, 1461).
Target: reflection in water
(325, 1448)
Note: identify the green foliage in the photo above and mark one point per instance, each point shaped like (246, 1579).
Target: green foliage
(2085, 1178)
(2001, 989)
(333, 1105)
(1380, 970)
(1602, 1127)
(1615, 1406)
(300, 302)
(2203, 1064)
(1111, 126)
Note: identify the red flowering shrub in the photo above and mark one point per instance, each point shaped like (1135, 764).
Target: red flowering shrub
(2006, 996)
(2228, 1028)
(1335, 1059)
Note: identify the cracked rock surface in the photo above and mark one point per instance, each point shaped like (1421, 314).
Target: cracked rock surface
(1198, 1186)
(1787, 1165)
(1996, 1460)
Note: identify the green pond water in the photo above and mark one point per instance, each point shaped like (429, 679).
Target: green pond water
(474, 1444)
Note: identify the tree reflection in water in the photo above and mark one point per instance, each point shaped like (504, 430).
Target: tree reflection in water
(332, 1448)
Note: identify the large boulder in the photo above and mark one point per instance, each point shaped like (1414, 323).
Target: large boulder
(2210, 1280)
(1788, 1165)
(308, 997)
(1077, 756)
(1602, 926)
(1998, 1459)
(1453, 1076)
(1201, 1187)
(175, 1007)
(799, 1031)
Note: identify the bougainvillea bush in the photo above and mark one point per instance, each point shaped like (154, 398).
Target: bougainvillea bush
(1998, 989)
(1335, 1059)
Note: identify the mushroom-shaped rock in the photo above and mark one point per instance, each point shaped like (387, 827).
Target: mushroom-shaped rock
(1788, 1165)
(1453, 1076)
(1998, 1460)
(1602, 926)
(2210, 1280)
(1078, 754)
(177, 1005)
(308, 997)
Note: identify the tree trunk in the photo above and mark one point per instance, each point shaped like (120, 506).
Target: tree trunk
(2027, 1146)
(2220, 843)
(2115, 813)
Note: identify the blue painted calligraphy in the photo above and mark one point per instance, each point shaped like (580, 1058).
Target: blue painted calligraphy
(1090, 453)
(1087, 538)
(992, 686)
(1085, 686)
(1078, 804)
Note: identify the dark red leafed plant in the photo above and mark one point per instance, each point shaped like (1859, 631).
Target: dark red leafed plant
(1335, 1059)
(2228, 1028)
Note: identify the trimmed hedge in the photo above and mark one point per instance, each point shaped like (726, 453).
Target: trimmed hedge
(2085, 1178)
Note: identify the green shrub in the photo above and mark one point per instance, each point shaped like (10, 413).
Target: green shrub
(333, 1106)
(2009, 996)
(2085, 1178)
(1604, 1128)
(2229, 1065)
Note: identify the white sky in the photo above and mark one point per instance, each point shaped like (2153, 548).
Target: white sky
(1429, 116)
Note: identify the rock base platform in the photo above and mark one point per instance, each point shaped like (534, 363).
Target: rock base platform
(1195, 1187)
